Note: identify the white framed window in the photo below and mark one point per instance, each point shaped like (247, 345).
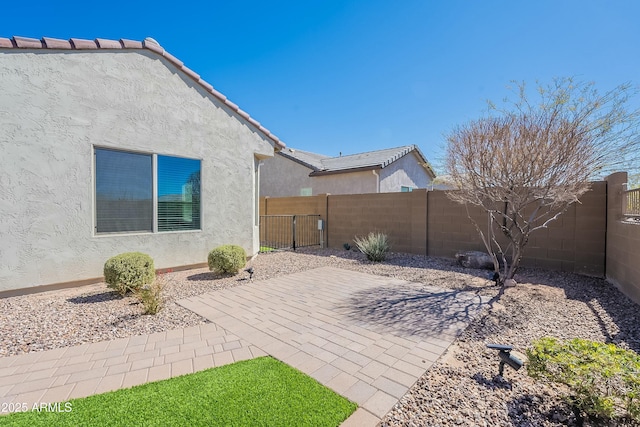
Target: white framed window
(141, 192)
(404, 189)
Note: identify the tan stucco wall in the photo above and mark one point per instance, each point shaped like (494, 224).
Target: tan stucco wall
(282, 177)
(56, 106)
(345, 183)
(406, 172)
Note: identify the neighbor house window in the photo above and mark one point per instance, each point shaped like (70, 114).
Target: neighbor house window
(404, 189)
(125, 194)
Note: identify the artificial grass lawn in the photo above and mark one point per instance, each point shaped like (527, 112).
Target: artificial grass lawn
(257, 392)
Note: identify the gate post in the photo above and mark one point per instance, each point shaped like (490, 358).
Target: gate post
(293, 231)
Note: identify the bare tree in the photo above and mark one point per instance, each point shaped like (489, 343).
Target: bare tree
(526, 162)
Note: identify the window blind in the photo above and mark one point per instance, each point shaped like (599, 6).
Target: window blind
(178, 193)
(124, 191)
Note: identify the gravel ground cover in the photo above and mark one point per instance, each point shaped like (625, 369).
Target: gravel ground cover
(461, 389)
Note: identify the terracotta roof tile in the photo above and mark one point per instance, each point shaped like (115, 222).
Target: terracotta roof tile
(108, 44)
(152, 45)
(27, 43)
(51, 43)
(148, 43)
(131, 44)
(189, 72)
(6, 43)
(205, 85)
(83, 44)
(231, 105)
(175, 61)
(218, 95)
(254, 122)
(243, 113)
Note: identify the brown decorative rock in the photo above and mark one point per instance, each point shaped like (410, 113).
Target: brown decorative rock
(475, 259)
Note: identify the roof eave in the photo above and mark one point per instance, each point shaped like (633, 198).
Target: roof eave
(349, 170)
(424, 163)
(300, 162)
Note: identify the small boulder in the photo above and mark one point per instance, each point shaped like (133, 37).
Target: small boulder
(474, 259)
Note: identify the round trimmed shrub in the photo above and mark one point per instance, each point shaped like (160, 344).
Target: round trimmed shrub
(227, 259)
(128, 272)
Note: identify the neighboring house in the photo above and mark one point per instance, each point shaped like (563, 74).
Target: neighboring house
(442, 182)
(300, 173)
(115, 146)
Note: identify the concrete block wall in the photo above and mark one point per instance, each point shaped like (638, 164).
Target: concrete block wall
(428, 223)
(574, 242)
(590, 238)
(449, 228)
(399, 215)
(623, 242)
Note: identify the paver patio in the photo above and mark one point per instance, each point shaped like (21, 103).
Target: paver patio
(369, 338)
(366, 337)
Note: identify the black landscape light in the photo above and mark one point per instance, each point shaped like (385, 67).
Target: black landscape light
(504, 353)
(250, 271)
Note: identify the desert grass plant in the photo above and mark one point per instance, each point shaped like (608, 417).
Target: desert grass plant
(227, 259)
(150, 295)
(128, 272)
(604, 379)
(375, 246)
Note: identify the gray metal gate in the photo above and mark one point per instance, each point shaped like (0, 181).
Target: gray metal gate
(289, 231)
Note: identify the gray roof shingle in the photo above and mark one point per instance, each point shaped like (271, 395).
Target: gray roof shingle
(379, 159)
(305, 158)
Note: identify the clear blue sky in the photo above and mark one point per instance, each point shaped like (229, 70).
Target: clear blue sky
(352, 76)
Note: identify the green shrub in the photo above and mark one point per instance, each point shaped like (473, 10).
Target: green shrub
(227, 259)
(375, 246)
(151, 296)
(604, 379)
(129, 271)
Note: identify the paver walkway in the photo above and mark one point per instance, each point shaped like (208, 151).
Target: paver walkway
(79, 371)
(369, 338)
(366, 337)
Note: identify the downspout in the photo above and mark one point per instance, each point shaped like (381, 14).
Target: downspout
(256, 206)
(377, 180)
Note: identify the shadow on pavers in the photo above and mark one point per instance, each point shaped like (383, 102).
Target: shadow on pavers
(413, 309)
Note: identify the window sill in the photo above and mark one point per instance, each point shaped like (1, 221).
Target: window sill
(144, 233)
